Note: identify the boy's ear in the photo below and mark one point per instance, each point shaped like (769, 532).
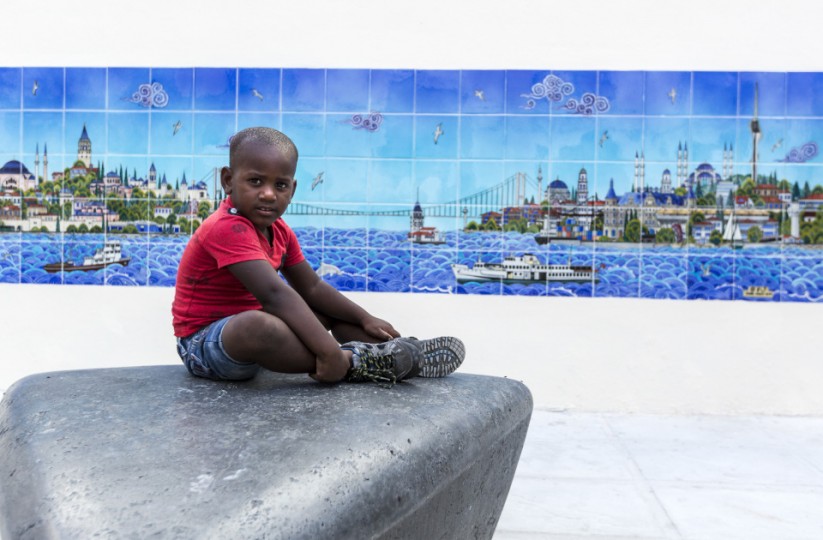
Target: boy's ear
(225, 180)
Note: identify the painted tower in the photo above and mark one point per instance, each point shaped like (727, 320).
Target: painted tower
(582, 187)
(666, 182)
(84, 148)
(36, 163)
(755, 127)
(151, 183)
(728, 158)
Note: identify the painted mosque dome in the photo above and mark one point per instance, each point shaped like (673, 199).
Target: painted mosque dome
(558, 184)
(14, 167)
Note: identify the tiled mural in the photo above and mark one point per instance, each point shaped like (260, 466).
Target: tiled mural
(678, 185)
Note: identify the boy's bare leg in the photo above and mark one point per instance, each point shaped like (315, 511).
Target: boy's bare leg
(260, 338)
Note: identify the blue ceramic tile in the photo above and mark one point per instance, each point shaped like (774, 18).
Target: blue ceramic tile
(573, 138)
(41, 128)
(663, 138)
(392, 91)
(350, 269)
(394, 139)
(709, 137)
(775, 142)
(618, 272)
(483, 92)
(771, 94)
(172, 133)
(212, 132)
(350, 135)
(178, 84)
(35, 252)
(527, 137)
(711, 276)
(215, 89)
(308, 233)
(346, 180)
(10, 262)
(390, 181)
(164, 259)
(624, 91)
(130, 89)
(259, 90)
(389, 270)
(533, 92)
(482, 137)
(128, 133)
(758, 278)
(304, 90)
(436, 137)
(715, 93)
(86, 88)
(431, 270)
(135, 273)
(256, 119)
(389, 231)
(437, 91)
(310, 177)
(436, 181)
(583, 100)
(619, 138)
(801, 279)
(10, 126)
(11, 90)
(801, 143)
(804, 94)
(43, 88)
(663, 274)
(668, 93)
(347, 90)
(308, 131)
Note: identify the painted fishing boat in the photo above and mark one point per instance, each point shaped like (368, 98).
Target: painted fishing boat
(110, 253)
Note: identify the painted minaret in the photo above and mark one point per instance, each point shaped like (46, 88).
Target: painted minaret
(152, 180)
(755, 127)
(682, 164)
(37, 163)
(728, 159)
(639, 172)
(666, 182)
(84, 148)
(45, 162)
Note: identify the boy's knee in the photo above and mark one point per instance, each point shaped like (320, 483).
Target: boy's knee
(254, 326)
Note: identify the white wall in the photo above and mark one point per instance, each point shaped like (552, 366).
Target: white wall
(587, 354)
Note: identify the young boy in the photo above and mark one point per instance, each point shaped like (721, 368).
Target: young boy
(232, 313)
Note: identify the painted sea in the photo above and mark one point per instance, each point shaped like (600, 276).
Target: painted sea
(384, 261)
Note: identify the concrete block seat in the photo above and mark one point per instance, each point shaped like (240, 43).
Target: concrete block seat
(154, 452)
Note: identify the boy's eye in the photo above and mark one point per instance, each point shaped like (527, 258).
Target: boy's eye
(255, 181)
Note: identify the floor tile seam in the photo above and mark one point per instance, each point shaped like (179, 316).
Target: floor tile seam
(669, 524)
(740, 486)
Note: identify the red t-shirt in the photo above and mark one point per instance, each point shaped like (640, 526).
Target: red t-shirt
(205, 290)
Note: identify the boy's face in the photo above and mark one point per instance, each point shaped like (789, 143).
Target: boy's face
(261, 183)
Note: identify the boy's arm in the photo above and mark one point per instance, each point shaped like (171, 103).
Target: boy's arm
(327, 300)
(277, 298)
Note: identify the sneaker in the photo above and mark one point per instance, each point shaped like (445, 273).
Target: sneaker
(383, 363)
(441, 355)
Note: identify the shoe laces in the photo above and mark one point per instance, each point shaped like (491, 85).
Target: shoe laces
(376, 368)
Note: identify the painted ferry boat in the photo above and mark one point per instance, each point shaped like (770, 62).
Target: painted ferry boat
(755, 291)
(109, 254)
(523, 269)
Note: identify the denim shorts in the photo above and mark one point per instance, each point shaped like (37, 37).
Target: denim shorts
(204, 356)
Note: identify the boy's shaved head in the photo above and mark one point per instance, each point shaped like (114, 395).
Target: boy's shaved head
(261, 135)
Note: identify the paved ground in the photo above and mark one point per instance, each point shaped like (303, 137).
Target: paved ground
(621, 476)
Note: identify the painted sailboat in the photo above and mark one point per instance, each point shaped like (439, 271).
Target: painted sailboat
(731, 233)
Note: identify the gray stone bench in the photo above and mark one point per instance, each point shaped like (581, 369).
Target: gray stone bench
(154, 452)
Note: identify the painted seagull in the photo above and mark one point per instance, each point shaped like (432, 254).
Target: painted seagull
(672, 95)
(317, 180)
(604, 138)
(176, 127)
(257, 94)
(777, 145)
(438, 131)
(34, 88)
(480, 95)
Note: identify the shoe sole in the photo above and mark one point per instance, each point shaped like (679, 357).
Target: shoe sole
(441, 356)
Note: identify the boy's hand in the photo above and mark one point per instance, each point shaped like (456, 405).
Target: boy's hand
(332, 369)
(379, 329)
